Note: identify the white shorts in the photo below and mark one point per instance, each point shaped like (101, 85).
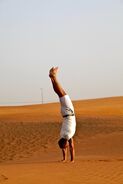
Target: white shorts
(69, 122)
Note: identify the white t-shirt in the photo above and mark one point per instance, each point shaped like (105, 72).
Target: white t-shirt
(69, 123)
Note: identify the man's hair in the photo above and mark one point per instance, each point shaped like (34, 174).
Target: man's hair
(62, 143)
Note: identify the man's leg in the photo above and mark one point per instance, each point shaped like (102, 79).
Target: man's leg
(72, 151)
(56, 86)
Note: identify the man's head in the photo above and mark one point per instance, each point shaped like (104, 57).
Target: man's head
(63, 143)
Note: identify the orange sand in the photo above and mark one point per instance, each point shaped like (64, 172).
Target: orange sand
(28, 144)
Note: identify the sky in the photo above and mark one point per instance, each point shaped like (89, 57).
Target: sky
(83, 38)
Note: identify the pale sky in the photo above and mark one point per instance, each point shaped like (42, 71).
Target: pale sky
(83, 38)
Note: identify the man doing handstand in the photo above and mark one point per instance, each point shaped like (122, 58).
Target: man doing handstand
(69, 122)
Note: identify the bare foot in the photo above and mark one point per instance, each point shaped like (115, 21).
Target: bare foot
(53, 71)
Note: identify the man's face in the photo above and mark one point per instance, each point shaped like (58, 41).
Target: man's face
(63, 143)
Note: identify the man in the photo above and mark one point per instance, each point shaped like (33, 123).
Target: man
(69, 122)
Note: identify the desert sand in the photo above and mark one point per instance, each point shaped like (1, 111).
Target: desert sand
(29, 153)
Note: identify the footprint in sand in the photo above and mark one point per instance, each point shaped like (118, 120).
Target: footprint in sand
(3, 178)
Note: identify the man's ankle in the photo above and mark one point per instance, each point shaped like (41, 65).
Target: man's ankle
(52, 76)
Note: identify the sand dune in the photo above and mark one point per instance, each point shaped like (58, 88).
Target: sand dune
(28, 144)
(87, 171)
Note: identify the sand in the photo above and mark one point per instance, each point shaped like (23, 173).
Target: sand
(28, 144)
